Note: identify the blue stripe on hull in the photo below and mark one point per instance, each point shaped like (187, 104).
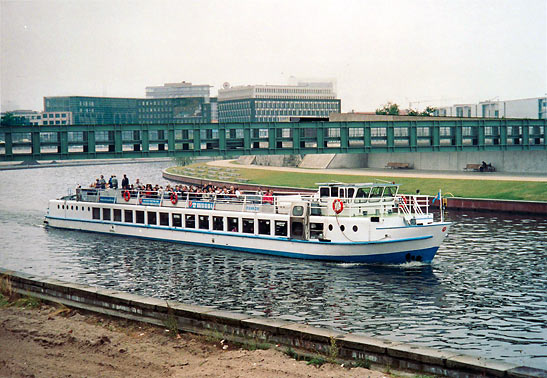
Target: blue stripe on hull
(426, 255)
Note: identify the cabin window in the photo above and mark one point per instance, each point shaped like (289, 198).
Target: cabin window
(204, 222)
(264, 227)
(96, 213)
(177, 220)
(351, 191)
(233, 224)
(248, 225)
(218, 223)
(334, 191)
(280, 228)
(342, 193)
(152, 218)
(342, 228)
(58, 206)
(72, 207)
(76, 208)
(377, 191)
(117, 215)
(106, 214)
(139, 216)
(128, 216)
(355, 228)
(63, 207)
(298, 211)
(164, 219)
(362, 193)
(324, 192)
(316, 230)
(190, 221)
(297, 229)
(390, 191)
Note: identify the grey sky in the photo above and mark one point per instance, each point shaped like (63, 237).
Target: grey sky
(378, 51)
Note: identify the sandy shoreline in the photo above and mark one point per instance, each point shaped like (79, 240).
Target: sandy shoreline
(58, 342)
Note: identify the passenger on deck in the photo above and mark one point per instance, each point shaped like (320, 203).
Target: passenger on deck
(125, 182)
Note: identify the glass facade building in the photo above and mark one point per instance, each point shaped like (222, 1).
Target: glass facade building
(112, 110)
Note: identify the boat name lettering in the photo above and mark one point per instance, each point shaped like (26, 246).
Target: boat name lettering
(202, 205)
(107, 199)
(151, 201)
(252, 208)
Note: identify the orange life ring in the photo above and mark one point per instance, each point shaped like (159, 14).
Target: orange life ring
(126, 196)
(337, 205)
(174, 198)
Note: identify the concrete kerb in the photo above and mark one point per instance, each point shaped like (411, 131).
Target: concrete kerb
(242, 328)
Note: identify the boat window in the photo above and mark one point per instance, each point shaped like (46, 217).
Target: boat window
(264, 227)
(298, 211)
(297, 229)
(203, 222)
(164, 219)
(316, 230)
(248, 225)
(342, 193)
(280, 228)
(152, 218)
(106, 214)
(351, 191)
(362, 193)
(139, 216)
(377, 191)
(342, 228)
(190, 221)
(218, 223)
(72, 207)
(177, 220)
(233, 224)
(334, 191)
(96, 213)
(117, 215)
(58, 206)
(76, 208)
(128, 216)
(355, 228)
(324, 192)
(390, 191)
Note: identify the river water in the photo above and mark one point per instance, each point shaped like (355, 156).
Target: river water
(485, 294)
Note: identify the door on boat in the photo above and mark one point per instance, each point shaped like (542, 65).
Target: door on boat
(300, 221)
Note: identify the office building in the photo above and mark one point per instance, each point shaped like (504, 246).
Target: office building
(276, 103)
(533, 108)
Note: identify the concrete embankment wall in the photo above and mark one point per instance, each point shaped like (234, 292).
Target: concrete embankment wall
(244, 328)
(525, 207)
(503, 161)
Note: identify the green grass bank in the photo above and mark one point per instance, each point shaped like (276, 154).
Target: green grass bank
(489, 189)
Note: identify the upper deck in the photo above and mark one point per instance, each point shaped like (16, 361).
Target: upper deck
(331, 199)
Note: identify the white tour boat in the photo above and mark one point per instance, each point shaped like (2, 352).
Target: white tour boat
(367, 223)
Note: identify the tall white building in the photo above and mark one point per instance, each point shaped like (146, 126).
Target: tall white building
(176, 90)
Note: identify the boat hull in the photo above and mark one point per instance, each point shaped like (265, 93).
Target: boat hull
(414, 243)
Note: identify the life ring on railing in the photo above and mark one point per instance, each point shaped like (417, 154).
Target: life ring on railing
(126, 196)
(174, 198)
(337, 205)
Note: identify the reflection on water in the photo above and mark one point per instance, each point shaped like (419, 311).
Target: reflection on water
(484, 294)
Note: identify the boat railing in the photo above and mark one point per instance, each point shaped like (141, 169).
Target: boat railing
(280, 202)
(412, 204)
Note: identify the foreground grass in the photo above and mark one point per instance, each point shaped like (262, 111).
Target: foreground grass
(508, 190)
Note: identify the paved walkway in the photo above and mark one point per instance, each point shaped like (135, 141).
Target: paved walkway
(496, 176)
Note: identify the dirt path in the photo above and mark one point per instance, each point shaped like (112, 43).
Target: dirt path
(496, 176)
(45, 343)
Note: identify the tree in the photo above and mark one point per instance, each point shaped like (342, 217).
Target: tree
(8, 119)
(389, 109)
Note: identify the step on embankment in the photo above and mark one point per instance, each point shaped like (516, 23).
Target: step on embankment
(316, 161)
(240, 327)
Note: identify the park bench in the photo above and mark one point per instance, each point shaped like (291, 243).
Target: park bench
(472, 167)
(398, 165)
(479, 168)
